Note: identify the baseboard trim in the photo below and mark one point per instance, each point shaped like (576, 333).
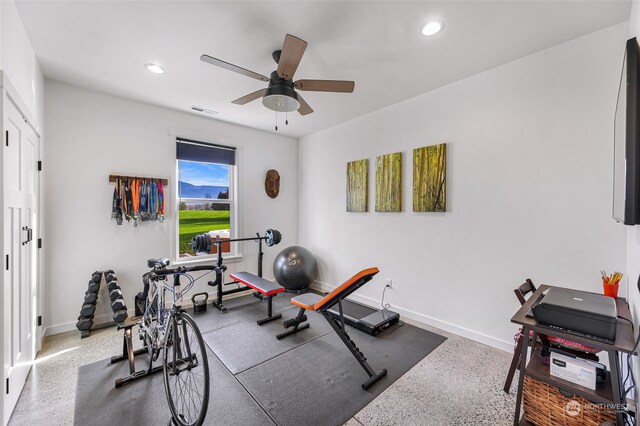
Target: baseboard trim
(70, 326)
(479, 337)
(103, 319)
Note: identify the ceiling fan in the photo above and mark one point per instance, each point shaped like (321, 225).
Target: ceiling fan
(281, 95)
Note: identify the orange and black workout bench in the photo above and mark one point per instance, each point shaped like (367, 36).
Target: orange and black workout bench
(265, 287)
(320, 303)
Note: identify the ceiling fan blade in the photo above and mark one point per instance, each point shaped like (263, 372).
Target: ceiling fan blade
(226, 65)
(326, 85)
(304, 107)
(250, 97)
(292, 51)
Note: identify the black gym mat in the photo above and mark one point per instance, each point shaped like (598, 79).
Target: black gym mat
(319, 383)
(243, 345)
(309, 378)
(239, 309)
(143, 402)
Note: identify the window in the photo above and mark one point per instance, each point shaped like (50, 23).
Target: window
(205, 194)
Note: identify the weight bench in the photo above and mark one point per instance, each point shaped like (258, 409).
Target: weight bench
(321, 304)
(265, 287)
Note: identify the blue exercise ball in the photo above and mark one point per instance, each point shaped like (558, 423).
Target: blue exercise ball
(295, 268)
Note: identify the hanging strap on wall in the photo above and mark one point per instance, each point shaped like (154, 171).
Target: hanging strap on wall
(123, 203)
(116, 211)
(128, 200)
(153, 198)
(160, 202)
(143, 201)
(135, 194)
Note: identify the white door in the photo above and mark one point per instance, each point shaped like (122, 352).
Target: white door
(20, 159)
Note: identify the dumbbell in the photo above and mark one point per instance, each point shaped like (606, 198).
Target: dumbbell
(115, 294)
(120, 316)
(112, 285)
(84, 324)
(110, 276)
(94, 286)
(118, 305)
(96, 276)
(90, 298)
(87, 310)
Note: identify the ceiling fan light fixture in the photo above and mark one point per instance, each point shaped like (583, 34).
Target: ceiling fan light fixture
(281, 98)
(154, 68)
(432, 28)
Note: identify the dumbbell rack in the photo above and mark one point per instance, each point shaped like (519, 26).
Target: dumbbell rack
(85, 322)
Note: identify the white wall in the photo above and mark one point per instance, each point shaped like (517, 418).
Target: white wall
(91, 135)
(18, 61)
(529, 190)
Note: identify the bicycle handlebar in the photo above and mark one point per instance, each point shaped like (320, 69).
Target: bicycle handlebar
(183, 269)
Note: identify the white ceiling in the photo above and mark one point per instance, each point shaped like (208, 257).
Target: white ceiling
(104, 45)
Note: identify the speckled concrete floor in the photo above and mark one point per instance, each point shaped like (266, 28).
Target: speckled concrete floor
(48, 396)
(460, 383)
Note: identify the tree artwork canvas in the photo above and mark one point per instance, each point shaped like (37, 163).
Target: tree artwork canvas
(429, 179)
(389, 182)
(358, 186)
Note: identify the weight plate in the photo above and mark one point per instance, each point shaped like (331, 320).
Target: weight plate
(268, 237)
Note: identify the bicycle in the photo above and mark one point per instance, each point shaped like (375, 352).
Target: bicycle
(173, 331)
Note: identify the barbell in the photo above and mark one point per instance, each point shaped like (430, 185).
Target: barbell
(204, 242)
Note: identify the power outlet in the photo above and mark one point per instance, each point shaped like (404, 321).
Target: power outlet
(389, 282)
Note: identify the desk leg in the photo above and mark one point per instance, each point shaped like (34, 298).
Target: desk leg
(523, 365)
(615, 383)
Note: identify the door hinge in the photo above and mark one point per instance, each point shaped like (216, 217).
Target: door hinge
(39, 242)
(7, 263)
(7, 386)
(39, 320)
(39, 166)
(6, 137)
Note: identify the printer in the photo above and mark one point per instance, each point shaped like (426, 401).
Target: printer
(586, 314)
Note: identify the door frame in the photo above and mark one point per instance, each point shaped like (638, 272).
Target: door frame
(9, 94)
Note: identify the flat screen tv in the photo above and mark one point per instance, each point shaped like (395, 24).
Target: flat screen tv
(626, 150)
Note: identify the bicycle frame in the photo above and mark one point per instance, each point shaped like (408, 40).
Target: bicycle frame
(164, 315)
(164, 327)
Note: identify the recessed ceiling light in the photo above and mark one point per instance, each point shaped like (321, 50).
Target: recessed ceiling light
(154, 68)
(432, 28)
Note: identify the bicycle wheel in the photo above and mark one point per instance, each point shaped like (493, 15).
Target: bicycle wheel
(186, 371)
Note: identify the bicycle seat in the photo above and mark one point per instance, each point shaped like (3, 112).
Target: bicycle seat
(158, 263)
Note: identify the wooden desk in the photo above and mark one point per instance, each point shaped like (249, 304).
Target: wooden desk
(609, 393)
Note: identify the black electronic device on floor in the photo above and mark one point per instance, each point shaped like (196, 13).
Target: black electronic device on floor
(364, 318)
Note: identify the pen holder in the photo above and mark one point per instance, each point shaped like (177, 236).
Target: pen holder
(610, 290)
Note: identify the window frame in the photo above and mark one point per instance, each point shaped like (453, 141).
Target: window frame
(230, 257)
